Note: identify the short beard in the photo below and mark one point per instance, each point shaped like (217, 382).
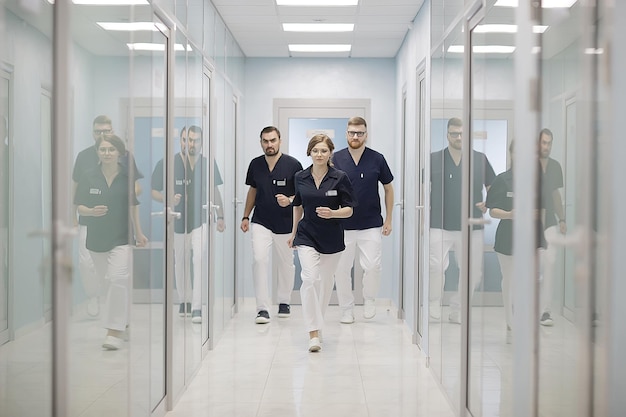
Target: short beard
(359, 144)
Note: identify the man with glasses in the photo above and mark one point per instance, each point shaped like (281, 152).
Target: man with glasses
(271, 180)
(445, 215)
(87, 160)
(364, 229)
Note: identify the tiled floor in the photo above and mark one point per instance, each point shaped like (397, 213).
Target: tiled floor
(366, 369)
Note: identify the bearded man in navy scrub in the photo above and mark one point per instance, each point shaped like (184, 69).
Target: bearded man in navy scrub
(190, 167)
(324, 196)
(446, 169)
(364, 229)
(270, 177)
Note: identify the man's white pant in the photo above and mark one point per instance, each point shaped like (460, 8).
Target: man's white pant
(188, 255)
(318, 271)
(92, 284)
(115, 264)
(548, 261)
(441, 242)
(368, 242)
(262, 242)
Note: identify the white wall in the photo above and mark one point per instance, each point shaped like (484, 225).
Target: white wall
(414, 52)
(307, 78)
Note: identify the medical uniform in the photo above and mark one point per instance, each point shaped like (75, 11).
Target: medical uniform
(108, 239)
(319, 241)
(552, 179)
(445, 219)
(271, 226)
(363, 230)
(86, 160)
(189, 229)
(500, 196)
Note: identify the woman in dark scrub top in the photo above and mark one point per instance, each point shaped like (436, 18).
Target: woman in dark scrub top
(104, 195)
(323, 197)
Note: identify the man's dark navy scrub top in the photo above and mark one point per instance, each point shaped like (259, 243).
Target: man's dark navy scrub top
(324, 235)
(267, 212)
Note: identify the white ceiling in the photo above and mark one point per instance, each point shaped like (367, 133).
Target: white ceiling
(379, 27)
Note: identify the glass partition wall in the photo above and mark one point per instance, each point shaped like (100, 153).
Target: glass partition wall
(126, 293)
(26, 83)
(535, 275)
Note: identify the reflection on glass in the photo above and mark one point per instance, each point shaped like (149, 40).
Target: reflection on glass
(4, 211)
(561, 185)
(25, 211)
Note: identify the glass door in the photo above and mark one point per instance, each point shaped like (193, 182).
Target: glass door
(5, 184)
(27, 349)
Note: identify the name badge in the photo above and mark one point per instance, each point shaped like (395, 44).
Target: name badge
(509, 194)
(180, 182)
(331, 193)
(281, 183)
(95, 191)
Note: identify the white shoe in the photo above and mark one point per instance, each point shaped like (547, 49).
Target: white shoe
(314, 344)
(347, 317)
(455, 317)
(369, 309)
(112, 343)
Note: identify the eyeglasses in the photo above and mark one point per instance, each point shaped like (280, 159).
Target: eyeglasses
(111, 149)
(358, 134)
(192, 140)
(455, 134)
(102, 131)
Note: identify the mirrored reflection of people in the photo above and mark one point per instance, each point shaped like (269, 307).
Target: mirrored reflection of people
(270, 179)
(364, 229)
(552, 182)
(86, 160)
(324, 196)
(500, 198)
(445, 216)
(190, 200)
(103, 194)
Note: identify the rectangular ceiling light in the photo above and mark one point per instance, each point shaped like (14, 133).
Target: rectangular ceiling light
(139, 46)
(108, 2)
(317, 3)
(132, 26)
(546, 4)
(320, 48)
(318, 27)
(483, 49)
(502, 28)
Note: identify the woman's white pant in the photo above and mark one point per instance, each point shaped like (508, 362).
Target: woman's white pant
(368, 242)
(441, 242)
(506, 269)
(262, 242)
(91, 283)
(188, 259)
(115, 264)
(318, 271)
